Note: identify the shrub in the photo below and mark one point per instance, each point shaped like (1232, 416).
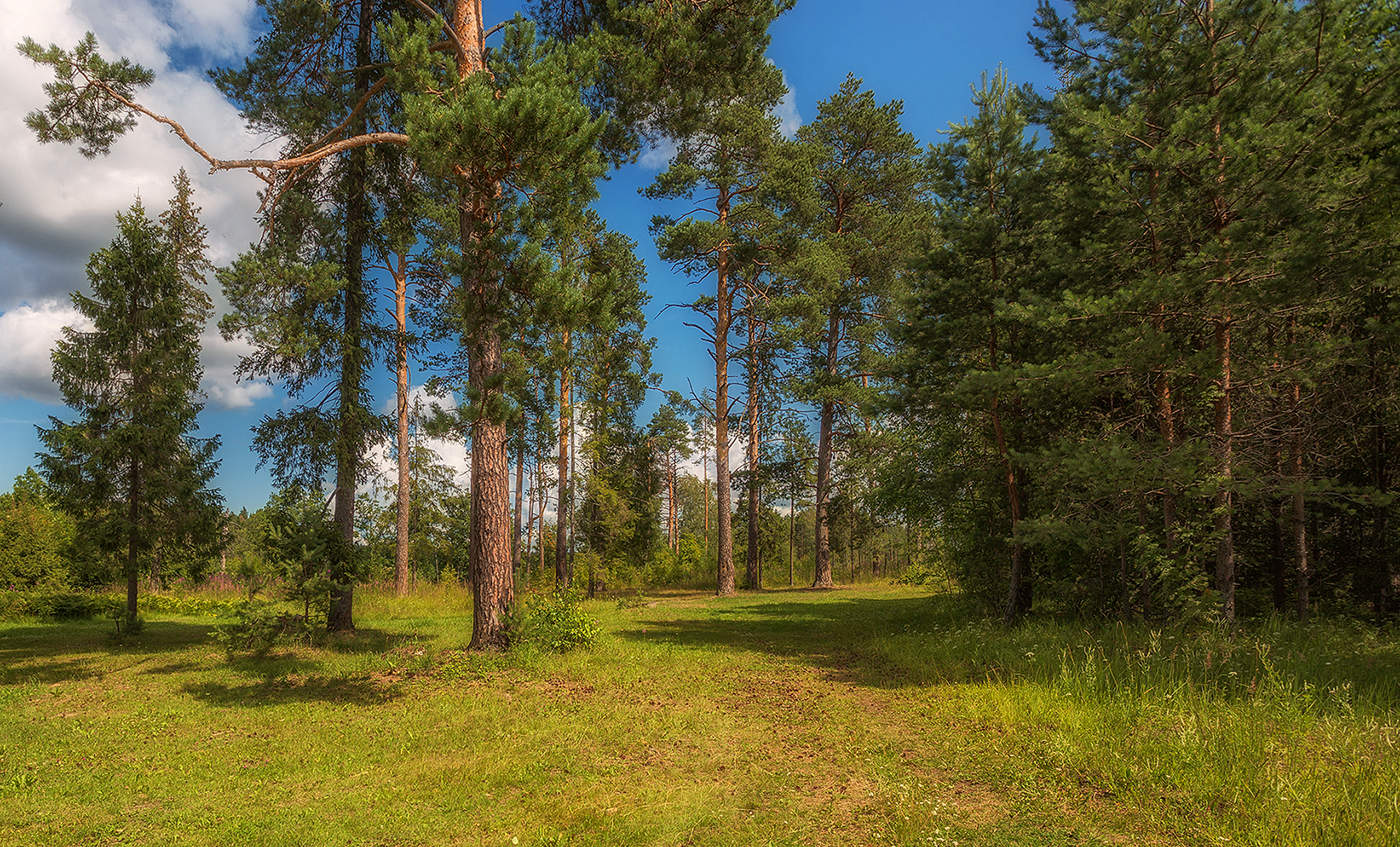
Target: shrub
(57, 605)
(35, 543)
(258, 626)
(557, 622)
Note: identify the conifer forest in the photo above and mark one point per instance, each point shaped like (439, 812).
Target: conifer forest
(559, 423)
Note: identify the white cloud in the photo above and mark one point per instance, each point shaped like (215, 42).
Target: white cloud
(789, 119)
(57, 206)
(220, 27)
(658, 156)
(219, 358)
(29, 333)
(450, 451)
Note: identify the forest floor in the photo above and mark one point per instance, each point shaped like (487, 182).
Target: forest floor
(865, 716)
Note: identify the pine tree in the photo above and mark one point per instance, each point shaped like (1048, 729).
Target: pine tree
(308, 76)
(669, 434)
(474, 123)
(721, 166)
(853, 187)
(1216, 156)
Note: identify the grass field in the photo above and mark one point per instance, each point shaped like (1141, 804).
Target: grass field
(876, 715)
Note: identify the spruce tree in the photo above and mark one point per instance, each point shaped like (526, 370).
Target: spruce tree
(130, 467)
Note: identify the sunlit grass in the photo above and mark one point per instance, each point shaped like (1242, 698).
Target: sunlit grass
(867, 716)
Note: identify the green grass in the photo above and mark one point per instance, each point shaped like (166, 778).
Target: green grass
(876, 715)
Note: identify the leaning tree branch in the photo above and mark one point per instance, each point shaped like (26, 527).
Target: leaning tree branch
(257, 166)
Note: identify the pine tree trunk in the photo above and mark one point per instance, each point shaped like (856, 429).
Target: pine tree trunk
(1382, 567)
(821, 577)
(705, 483)
(529, 523)
(517, 555)
(340, 617)
(792, 537)
(1166, 422)
(1018, 589)
(1299, 512)
(401, 357)
(1300, 542)
(493, 589)
(561, 559)
(724, 564)
(573, 476)
(1278, 569)
(672, 527)
(751, 559)
(1224, 411)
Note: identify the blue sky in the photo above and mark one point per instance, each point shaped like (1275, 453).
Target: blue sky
(923, 53)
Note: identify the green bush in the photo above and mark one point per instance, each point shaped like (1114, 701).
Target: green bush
(36, 540)
(57, 605)
(556, 622)
(259, 625)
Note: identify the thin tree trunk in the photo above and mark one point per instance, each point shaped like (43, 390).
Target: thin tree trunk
(529, 522)
(1299, 512)
(517, 554)
(1224, 411)
(1278, 569)
(792, 537)
(1300, 537)
(1166, 423)
(1224, 500)
(401, 404)
(1382, 569)
(133, 539)
(821, 577)
(672, 524)
(1017, 601)
(561, 550)
(573, 476)
(724, 563)
(752, 578)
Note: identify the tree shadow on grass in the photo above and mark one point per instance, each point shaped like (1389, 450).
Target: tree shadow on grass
(276, 691)
(65, 651)
(374, 641)
(831, 633)
(894, 642)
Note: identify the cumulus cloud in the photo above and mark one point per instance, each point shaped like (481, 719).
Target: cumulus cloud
(221, 385)
(450, 451)
(30, 333)
(789, 119)
(57, 206)
(221, 29)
